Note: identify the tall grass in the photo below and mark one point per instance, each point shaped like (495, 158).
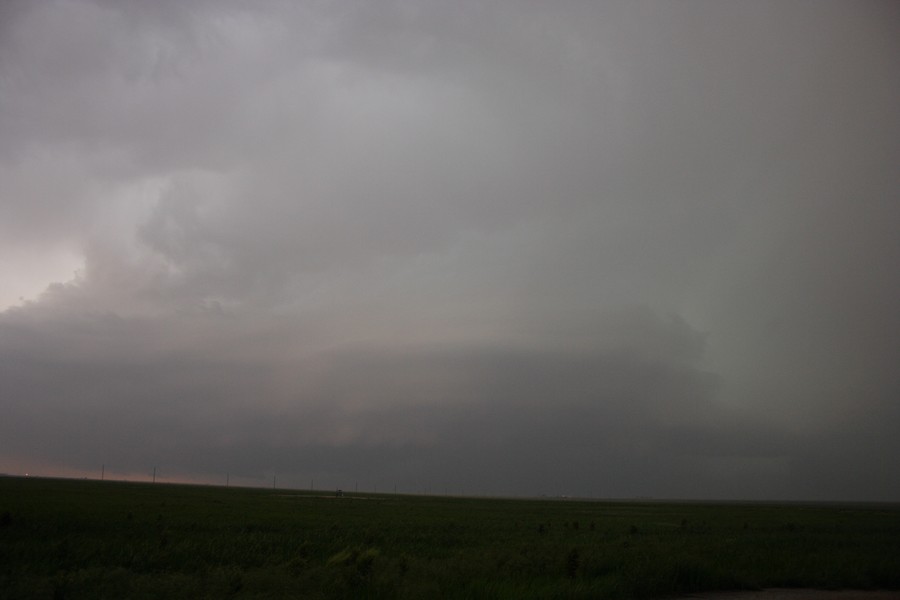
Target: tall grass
(89, 539)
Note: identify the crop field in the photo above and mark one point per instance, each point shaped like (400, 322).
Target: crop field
(92, 539)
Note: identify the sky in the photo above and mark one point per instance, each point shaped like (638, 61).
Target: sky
(601, 249)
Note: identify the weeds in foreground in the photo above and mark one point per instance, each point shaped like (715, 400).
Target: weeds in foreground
(82, 539)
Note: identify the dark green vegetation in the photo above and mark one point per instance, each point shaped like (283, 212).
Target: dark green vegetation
(90, 539)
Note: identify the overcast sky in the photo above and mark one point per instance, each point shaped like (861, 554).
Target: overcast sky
(608, 249)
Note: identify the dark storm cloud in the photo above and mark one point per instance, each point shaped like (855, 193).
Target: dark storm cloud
(489, 416)
(595, 248)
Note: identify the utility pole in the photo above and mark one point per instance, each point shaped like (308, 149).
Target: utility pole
(227, 479)
(102, 472)
(154, 474)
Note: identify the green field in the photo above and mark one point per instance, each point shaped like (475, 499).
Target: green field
(91, 539)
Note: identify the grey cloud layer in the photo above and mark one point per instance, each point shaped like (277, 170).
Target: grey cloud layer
(594, 248)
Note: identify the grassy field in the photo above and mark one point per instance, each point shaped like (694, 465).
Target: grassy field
(91, 539)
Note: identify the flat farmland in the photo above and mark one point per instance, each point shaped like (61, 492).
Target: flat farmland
(91, 539)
